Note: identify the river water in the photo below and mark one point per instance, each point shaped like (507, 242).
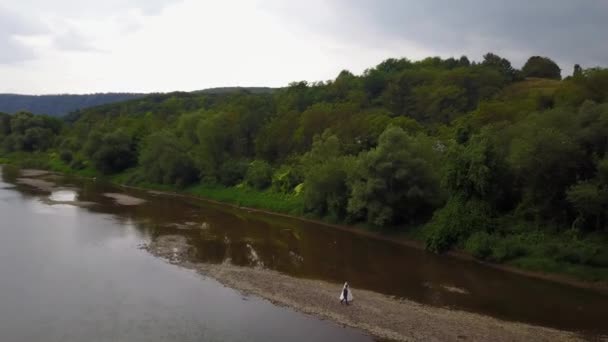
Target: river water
(71, 273)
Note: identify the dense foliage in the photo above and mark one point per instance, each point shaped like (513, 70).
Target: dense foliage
(544, 67)
(508, 164)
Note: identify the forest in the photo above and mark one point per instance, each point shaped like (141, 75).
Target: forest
(509, 165)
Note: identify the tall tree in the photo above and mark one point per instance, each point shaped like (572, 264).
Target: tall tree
(542, 67)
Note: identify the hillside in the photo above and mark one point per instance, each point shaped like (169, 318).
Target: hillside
(478, 156)
(231, 90)
(63, 104)
(58, 105)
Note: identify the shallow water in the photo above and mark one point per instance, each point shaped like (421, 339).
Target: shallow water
(302, 249)
(63, 196)
(71, 274)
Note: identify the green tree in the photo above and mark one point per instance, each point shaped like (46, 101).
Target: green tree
(542, 67)
(474, 177)
(590, 199)
(232, 172)
(164, 159)
(37, 139)
(577, 73)
(5, 124)
(326, 172)
(501, 64)
(259, 174)
(545, 161)
(397, 181)
(112, 152)
(456, 221)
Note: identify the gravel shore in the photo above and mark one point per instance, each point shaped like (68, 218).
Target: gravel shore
(375, 313)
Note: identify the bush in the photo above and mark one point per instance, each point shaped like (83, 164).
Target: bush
(480, 245)
(78, 164)
(456, 221)
(600, 259)
(578, 252)
(326, 190)
(164, 159)
(232, 172)
(396, 182)
(508, 248)
(112, 152)
(259, 174)
(66, 156)
(285, 179)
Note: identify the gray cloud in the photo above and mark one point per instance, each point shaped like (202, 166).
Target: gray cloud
(15, 23)
(73, 41)
(98, 9)
(13, 51)
(571, 31)
(567, 31)
(13, 26)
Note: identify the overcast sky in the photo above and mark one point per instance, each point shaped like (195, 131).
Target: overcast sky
(82, 46)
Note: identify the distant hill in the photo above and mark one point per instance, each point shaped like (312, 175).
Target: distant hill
(229, 90)
(61, 105)
(58, 105)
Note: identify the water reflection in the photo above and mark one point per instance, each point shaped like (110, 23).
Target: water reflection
(63, 196)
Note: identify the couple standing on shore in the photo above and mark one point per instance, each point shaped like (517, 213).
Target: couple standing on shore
(346, 295)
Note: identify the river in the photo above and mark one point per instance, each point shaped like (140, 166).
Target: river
(76, 272)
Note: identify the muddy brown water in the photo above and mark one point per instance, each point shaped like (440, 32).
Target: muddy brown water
(70, 274)
(97, 243)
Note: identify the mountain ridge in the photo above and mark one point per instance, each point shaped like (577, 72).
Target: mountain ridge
(60, 105)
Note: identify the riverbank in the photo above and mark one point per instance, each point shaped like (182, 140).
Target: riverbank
(250, 200)
(382, 316)
(201, 252)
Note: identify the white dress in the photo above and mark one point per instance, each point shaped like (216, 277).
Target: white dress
(350, 294)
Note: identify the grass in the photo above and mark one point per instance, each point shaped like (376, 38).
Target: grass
(548, 265)
(248, 197)
(46, 161)
(238, 195)
(565, 253)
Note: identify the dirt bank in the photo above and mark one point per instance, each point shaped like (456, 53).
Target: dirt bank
(380, 315)
(34, 173)
(39, 184)
(123, 199)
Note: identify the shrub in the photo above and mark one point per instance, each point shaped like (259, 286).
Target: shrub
(259, 174)
(232, 172)
(285, 179)
(66, 156)
(480, 245)
(456, 221)
(112, 153)
(78, 164)
(508, 248)
(578, 252)
(164, 159)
